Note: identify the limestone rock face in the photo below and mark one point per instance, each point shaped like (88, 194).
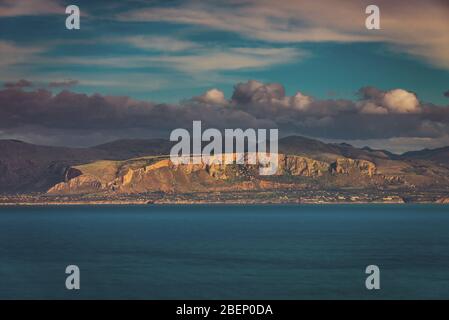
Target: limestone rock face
(162, 175)
(71, 173)
(217, 171)
(81, 184)
(443, 201)
(301, 166)
(348, 166)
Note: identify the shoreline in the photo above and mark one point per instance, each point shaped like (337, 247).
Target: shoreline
(217, 198)
(194, 203)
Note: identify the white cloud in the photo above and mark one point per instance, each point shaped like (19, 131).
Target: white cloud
(419, 28)
(228, 59)
(202, 60)
(11, 54)
(393, 101)
(301, 101)
(12, 8)
(213, 96)
(157, 43)
(401, 101)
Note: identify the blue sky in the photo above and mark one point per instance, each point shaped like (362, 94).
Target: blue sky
(170, 51)
(320, 68)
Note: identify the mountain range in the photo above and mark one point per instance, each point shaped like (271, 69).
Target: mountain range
(142, 166)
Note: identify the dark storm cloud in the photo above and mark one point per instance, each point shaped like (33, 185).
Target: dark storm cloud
(77, 119)
(18, 85)
(254, 91)
(376, 115)
(39, 113)
(63, 84)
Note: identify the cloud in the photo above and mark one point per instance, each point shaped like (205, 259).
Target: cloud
(202, 63)
(375, 101)
(401, 101)
(446, 94)
(18, 85)
(12, 54)
(372, 108)
(213, 59)
(272, 94)
(63, 84)
(377, 114)
(255, 19)
(198, 61)
(213, 97)
(62, 116)
(301, 101)
(158, 43)
(13, 8)
(254, 91)
(71, 118)
(290, 21)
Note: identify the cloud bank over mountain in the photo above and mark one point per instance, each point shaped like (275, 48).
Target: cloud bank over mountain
(69, 118)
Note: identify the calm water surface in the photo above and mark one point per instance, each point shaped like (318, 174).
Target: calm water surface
(225, 252)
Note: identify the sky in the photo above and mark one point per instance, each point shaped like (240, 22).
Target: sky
(139, 68)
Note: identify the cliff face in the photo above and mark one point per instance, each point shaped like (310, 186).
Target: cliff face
(301, 166)
(134, 166)
(443, 201)
(349, 166)
(163, 175)
(28, 168)
(84, 183)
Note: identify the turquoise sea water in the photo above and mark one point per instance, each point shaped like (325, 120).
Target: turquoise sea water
(225, 252)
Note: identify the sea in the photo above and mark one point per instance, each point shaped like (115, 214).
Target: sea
(225, 251)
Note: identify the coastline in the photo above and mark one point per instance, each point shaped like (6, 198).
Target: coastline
(310, 197)
(239, 203)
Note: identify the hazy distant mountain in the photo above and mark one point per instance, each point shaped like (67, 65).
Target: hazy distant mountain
(440, 155)
(130, 148)
(328, 151)
(26, 167)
